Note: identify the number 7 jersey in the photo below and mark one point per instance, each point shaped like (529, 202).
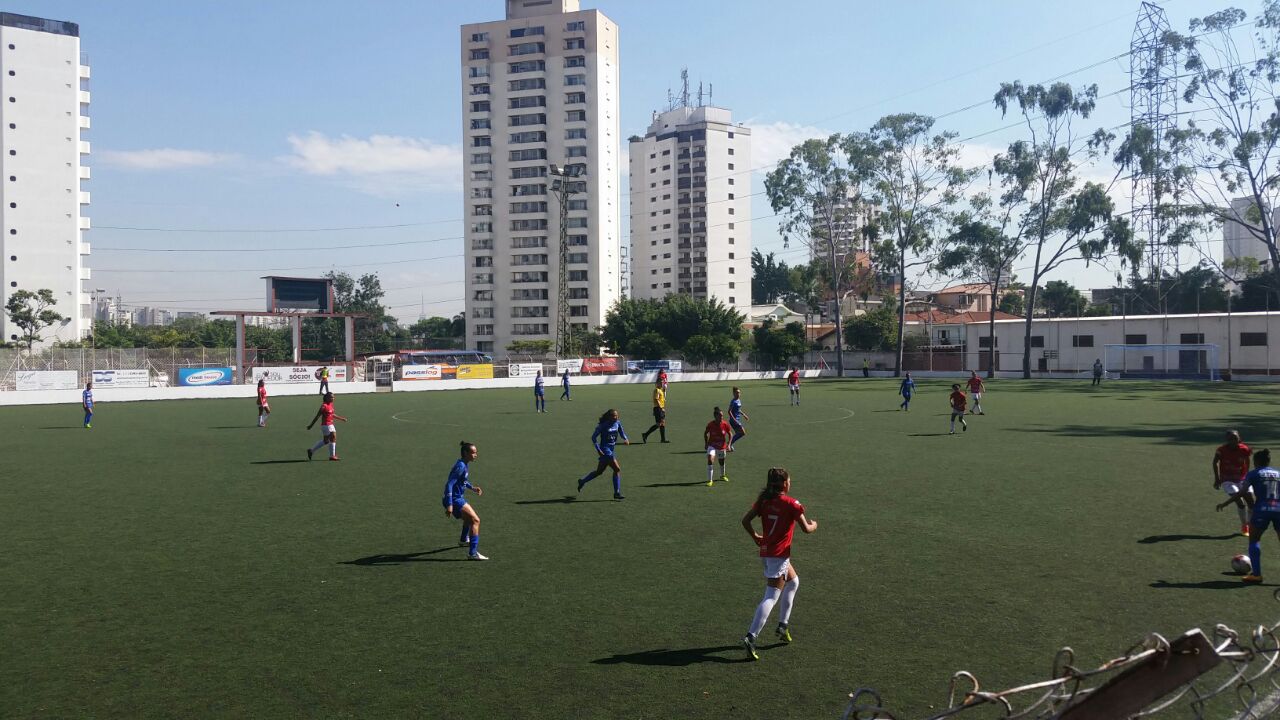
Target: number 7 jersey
(779, 517)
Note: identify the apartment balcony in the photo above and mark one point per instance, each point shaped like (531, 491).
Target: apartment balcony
(684, 246)
(683, 276)
(699, 182)
(85, 172)
(685, 200)
(684, 155)
(683, 170)
(84, 198)
(701, 167)
(684, 228)
(83, 147)
(84, 248)
(685, 260)
(700, 274)
(84, 122)
(84, 96)
(85, 224)
(84, 72)
(86, 273)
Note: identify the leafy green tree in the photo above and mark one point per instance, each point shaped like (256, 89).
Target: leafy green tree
(648, 345)
(31, 312)
(654, 328)
(1060, 298)
(587, 343)
(981, 252)
(529, 347)
(914, 176)
(1012, 304)
(875, 330)
(375, 332)
(773, 344)
(273, 345)
(770, 279)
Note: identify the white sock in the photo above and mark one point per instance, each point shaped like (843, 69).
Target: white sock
(711, 473)
(788, 599)
(333, 449)
(1244, 517)
(317, 446)
(765, 607)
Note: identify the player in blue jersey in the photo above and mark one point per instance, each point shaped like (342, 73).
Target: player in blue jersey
(906, 390)
(1264, 480)
(539, 394)
(455, 501)
(86, 401)
(564, 382)
(605, 438)
(736, 416)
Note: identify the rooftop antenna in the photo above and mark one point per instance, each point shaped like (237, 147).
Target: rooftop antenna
(684, 87)
(700, 93)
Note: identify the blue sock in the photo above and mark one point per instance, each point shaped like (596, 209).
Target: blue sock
(736, 437)
(585, 479)
(88, 418)
(475, 543)
(1255, 557)
(617, 483)
(466, 532)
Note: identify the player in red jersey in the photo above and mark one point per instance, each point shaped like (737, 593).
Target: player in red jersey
(779, 514)
(975, 389)
(793, 384)
(1230, 465)
(264, 409)
(330, 434)
(958, 403)
(716, 438)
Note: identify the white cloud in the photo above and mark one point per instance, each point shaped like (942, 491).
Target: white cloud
(773, 141)
(162, 158)
(379, 164)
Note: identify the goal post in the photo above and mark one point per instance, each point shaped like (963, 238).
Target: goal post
(1161, 362)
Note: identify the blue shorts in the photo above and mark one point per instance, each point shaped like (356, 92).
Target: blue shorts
(1262, 519)
(606, 457)
(457, 503)
(735, 424)
(539, 393)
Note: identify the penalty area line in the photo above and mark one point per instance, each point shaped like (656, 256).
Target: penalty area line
(397, 418)
(815, 422)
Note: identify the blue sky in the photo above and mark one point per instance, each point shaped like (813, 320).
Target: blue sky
(296, 121)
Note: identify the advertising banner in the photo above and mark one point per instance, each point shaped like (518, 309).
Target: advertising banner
(517, 370)
(297, 374)
(601, 365)
(573, 366)
(420, 372)
(121, 378)
(654, 365)
(475, 372)
(198, 377)
(48, 379)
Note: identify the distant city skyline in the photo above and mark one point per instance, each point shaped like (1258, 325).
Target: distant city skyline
(308, 145)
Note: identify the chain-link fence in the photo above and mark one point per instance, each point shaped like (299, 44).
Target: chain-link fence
(162, 364)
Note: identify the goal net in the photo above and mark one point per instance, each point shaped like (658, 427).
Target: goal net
(1161, 362)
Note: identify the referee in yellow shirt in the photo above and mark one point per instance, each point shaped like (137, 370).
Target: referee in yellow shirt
(659, 413)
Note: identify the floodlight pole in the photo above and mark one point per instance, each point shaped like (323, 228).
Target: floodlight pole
(563, 189)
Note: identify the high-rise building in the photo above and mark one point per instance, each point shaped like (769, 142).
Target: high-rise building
(691, 207)
(853, 217)
(539, 88)
(1240, 239)
(44, 86)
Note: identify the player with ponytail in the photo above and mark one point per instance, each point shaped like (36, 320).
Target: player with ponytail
(455, 501)
(779, 514)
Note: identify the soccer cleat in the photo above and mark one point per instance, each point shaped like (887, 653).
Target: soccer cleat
(310, 452)
(1252, 579)
(964, 428)
(666, 441)
(749, 643)
(581, 484)
(724, 478)
(953, 432)
(710, 483)
(87, 426)
(334, 458)
(644, 438)
(463, 543)
(476, 556)
(619, 496)
(982, 413)
(784, 633)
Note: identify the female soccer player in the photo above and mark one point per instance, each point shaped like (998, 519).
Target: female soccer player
(976, 388)
(605, 438)
(793, 384)
(455, 500)
(564, 381)
(779, 513)
(86, 402)
(736, 417)
(264, 409)
(906, 390)
(659, 413)
(958, 404)
(1230, 466)
(329, 434)
(716, 438)
(539, 394)
(1264, 480)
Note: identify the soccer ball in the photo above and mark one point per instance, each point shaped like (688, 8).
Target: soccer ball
(1241, 564)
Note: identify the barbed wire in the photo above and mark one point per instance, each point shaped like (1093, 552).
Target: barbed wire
(1225, 675)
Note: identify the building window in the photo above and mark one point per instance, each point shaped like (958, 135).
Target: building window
(482, 279)
(480, 124)
(483, 261)
(1253, 339)
(1037, 341)
(529, 276)
(579, 293)
(575, 44)
(528, 137)
(577, 258)
(483, 227)
(518, 208)
(481, 175)
(484, 329)
(481, 89)
(528, 242)
(576, 26)
(526, 84)
(1135, 339)
(577, 310)
(477, 72)
(575, 61)
(576, 151)
(1081, 341)
(527, 225)
(575, 134)
(577, 241)
(528, 48)
(482, 106)
(730, 151)
(1192, 339)
(525, 66)
(482, 210)
(575, 79)
(482, 296)
(481, 158)
(577, 205)
(730, 166)
(532, 119)
(575, 116)
(480, 54)
(527, 102)
(534, 189)
(575, 222)
(482, 312)
(575, 98)
(537, 171)
(577, 275)
(475, 37)
(482, 141)
(985, 341)
(522, 155)
(527, 32)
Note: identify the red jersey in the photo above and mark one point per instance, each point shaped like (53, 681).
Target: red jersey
(326, 414)
(1233, 462)
(959, 401)
(262, 395)
(717, 433)
(793, 378)
(779, 516)
(975, 385)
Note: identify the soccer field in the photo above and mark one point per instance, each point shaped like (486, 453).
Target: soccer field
(178, 561)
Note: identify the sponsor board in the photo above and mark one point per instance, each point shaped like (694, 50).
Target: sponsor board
(573, 366)
(517, 370)
(121, 378)
(654, 365)
(47, 379)
(297, 374)
(199, 377)
(421, 372)
(475, 372)
(601, 365)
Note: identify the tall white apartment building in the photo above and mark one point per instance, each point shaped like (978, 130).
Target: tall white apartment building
(539, 88)
(691, 207)
(43, 111)
(1238, 242)
(853, 217)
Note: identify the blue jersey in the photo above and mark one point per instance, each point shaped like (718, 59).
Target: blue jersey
(87, 397)
(606, 436)
(1265, 483)
(908, 387)
(457, 484)
(735, 410)
(537, 385)
(564, 379)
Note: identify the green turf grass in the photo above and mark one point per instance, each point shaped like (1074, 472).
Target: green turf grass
(178, 561)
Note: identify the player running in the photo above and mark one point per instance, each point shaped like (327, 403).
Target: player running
(793, 385)
(1264, 481)
(958, 404)
(607, 433)
(86, 402)
(736, 418)
(906, 390)
(564, 381)
(778, 513)
(976, 387)
(1230, 465)
(264, 409)
(539, 394)
(455, 501)
(329, 435)
(659, 412)
(716, 438)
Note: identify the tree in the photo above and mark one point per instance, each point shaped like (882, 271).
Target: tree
(529, 347)
(981, 252)
(373, 333)
(914, 176)
(711, 350)
(810, 190)
(775, 344)
(1060, 298)
(1052, 220)
(875, 330)
(653, 328)
(1012, 304)
(32, 312)
(770, 280)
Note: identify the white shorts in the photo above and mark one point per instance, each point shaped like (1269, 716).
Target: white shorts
(328, 429)
(793, 388)
(1230, 488)
(977, 397)
(715, 453)
(775, 567)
